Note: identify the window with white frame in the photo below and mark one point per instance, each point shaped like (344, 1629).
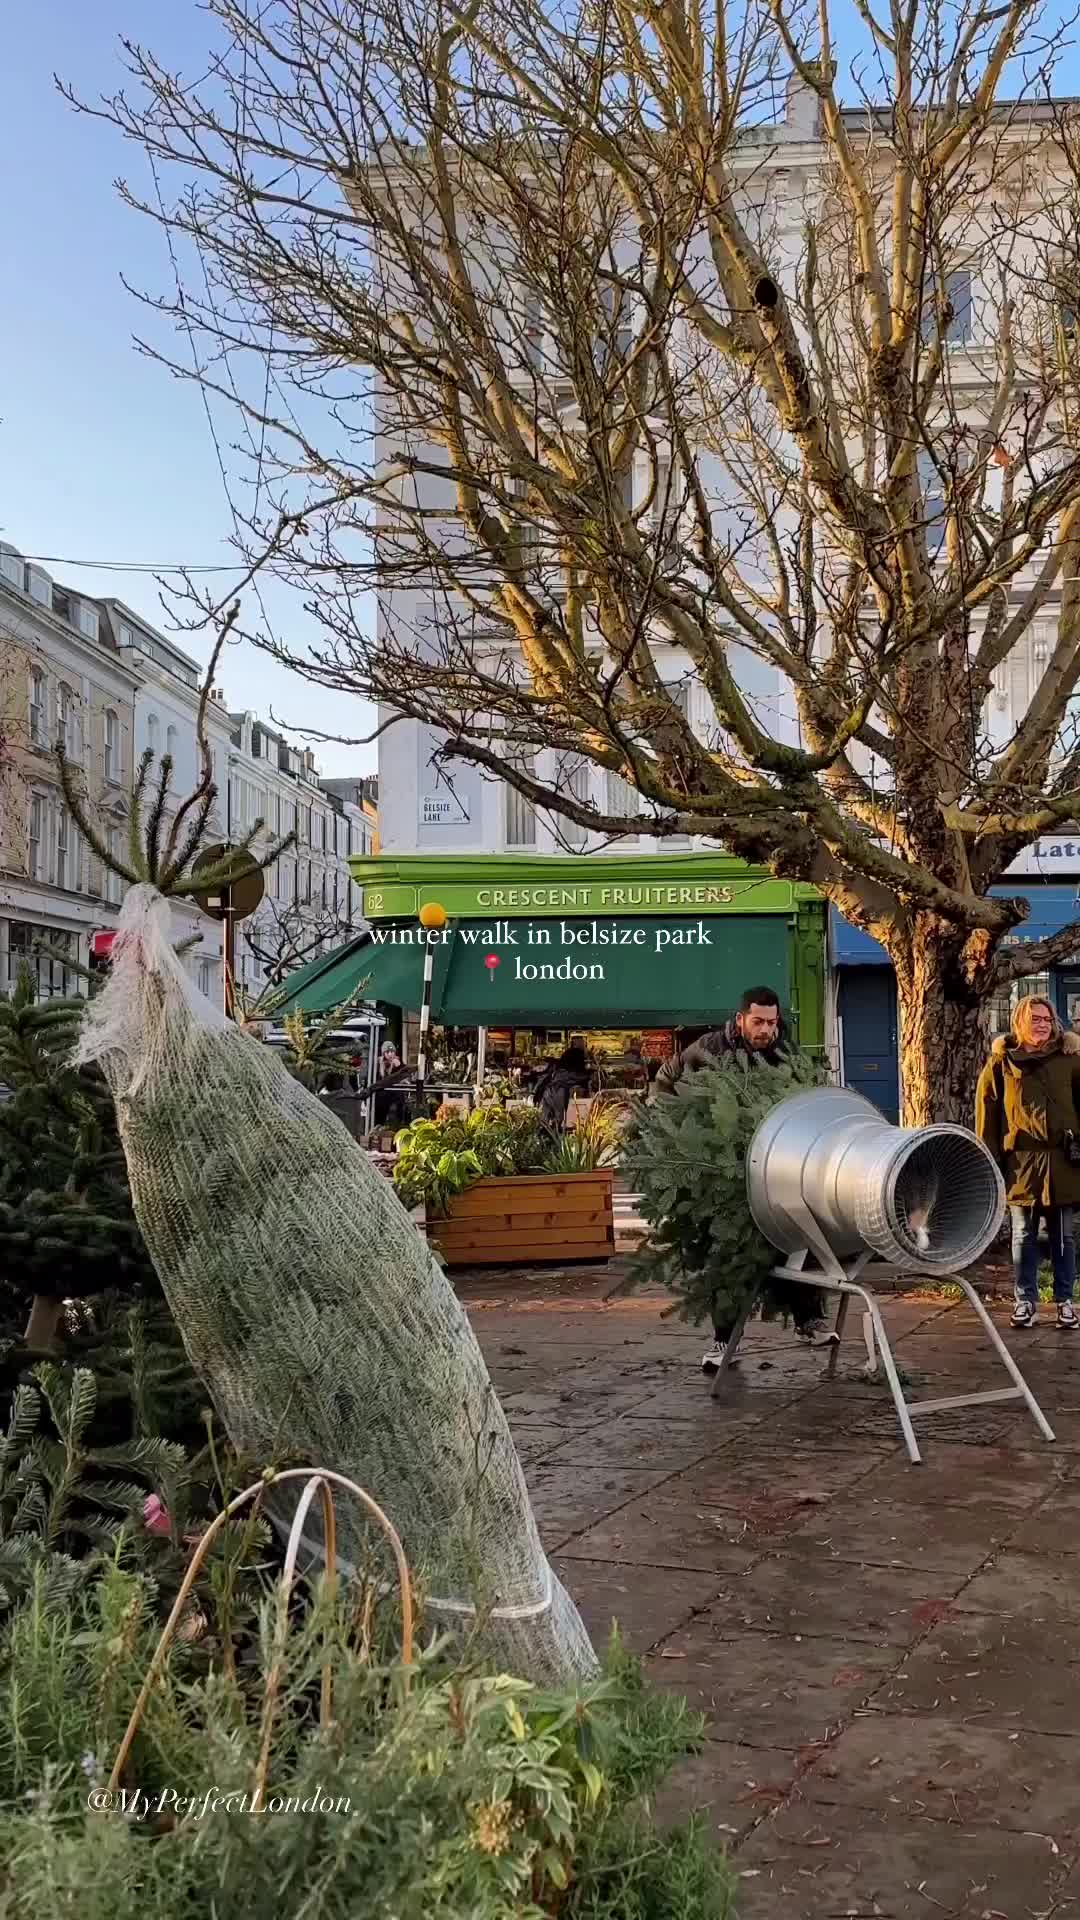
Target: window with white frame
(65, 720)
(664, 513)
(533, 328)
(932, 488)
(112, 746)
(519, 814)
(957, 291)
(622, 800)
(616, 332)
(153, 732)
(36, 837)
(87, 619)
(63, 836)
(172, 740)
(113, 883)
(678, 692)
(39, 726)
(575, 781)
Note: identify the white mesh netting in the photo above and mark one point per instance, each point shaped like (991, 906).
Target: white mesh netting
(312, 1307)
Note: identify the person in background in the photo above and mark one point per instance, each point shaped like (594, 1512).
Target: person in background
(1027, 1111)
(557, 1085)
(756, 1037)
(756, 1034)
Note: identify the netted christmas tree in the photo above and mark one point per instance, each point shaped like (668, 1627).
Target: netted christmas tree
(67, 1229)
(321, 1322)
(686, 1158)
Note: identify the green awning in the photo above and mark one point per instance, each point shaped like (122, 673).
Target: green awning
(383, 971)
(659, 973)
(650, 972)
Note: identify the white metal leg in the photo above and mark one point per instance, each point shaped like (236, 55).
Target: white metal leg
(877, 1346)
(1009, 1363)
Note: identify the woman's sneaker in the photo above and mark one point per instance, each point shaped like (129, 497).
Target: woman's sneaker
(1025, 1314)
(710, 1362)
(1067, 1315)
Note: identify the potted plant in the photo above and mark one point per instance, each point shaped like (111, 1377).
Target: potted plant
(499, 1190)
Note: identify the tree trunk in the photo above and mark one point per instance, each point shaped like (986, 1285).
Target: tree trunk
(44, 1323)
(944, 1028)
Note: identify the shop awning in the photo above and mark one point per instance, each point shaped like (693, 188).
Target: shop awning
(658, 975)
(649, 972)
(382, 970)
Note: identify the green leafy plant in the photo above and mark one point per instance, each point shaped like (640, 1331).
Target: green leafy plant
(442, 1157)
(66, 1224)
(686, 1156)
(65, 1497)
(596, 1141)
(434, 1792)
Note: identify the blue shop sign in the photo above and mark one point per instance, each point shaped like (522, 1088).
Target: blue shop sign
(1051, 909)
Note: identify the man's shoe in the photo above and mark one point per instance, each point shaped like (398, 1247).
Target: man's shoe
(1067, 1315)
(814, 1330)
(1025, 1314)
(710, 1362)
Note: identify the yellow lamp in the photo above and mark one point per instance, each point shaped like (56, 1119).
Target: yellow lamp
(432, 914)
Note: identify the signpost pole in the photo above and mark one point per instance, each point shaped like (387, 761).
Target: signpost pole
(229, 940)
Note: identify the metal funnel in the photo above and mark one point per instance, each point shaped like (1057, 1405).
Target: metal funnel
(826, 1172)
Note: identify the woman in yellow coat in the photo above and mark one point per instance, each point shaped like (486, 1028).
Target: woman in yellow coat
(1027, 1110)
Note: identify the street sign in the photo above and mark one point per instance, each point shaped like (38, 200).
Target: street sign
(237, 901)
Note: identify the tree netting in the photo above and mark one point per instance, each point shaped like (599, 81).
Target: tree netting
(322, 1324)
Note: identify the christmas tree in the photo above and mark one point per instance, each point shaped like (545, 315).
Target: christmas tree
(67, 1229)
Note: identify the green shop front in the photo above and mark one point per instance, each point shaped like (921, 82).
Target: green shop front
(634, 955)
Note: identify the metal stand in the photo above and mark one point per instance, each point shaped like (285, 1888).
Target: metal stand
(846, 1281)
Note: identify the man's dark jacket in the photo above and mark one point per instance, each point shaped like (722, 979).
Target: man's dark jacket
(724, 1043)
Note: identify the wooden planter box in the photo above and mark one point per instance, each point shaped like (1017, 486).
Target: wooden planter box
(526, 1218)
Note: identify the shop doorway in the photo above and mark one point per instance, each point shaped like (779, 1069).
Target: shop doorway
(869, 1036)
(1068, 999)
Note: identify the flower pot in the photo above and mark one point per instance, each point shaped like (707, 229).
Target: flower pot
(524, 1218)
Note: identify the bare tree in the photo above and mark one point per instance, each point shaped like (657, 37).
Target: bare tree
(282, 938)
(604, 370)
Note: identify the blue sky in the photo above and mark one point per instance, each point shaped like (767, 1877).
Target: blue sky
(102, 455)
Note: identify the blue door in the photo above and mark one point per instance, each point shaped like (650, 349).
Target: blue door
(867, 1008)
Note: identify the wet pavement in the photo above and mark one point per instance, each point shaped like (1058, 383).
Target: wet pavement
(883, 1653)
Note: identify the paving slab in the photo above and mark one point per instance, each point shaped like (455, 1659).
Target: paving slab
(729, 1786)
(807, 1863)
(657, 1533)
(902, 1533)
(767, 1689)
(565, 1504)
(1056, 1526)
(883, 1653)
(945, 1770)
(630, 1441)
(648, 1603)
(803, 1591)
(994, 1671)
(1032, 1585)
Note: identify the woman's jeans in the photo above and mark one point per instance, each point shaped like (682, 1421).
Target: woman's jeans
(1025, 1251)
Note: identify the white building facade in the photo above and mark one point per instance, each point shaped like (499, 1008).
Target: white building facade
(428, 806)
(59, 678)
(99, 675)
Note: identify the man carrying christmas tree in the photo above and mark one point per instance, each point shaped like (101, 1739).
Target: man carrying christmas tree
(755, 1038)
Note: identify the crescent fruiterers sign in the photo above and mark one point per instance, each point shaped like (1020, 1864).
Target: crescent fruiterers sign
(470, 887)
